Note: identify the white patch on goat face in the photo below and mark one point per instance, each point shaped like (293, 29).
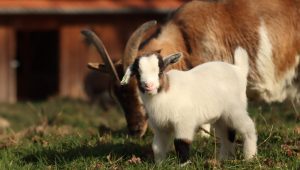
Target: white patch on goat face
(149, 73)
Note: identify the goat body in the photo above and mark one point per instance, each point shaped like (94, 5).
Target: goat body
(214, 92)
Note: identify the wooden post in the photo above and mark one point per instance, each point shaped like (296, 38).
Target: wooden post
(7, 70)
(72, 62)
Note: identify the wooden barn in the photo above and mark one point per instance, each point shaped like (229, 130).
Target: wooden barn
(42, 52)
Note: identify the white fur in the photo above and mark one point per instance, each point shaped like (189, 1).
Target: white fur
(272, 88)
(149, 71)
(213, 92)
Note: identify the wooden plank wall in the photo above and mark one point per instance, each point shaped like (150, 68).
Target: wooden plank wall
(72, 62)
(7, 72)
(114, 30)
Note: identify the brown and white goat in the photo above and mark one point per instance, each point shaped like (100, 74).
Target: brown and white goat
(210, 30)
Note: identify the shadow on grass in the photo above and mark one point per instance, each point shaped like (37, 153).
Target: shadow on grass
(100, 151)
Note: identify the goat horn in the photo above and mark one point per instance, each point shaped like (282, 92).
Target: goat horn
(94, 39)
(134, 42)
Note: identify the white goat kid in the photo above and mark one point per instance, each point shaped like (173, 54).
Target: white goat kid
(178, 102)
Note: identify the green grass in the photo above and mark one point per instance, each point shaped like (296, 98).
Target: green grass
(71, 134)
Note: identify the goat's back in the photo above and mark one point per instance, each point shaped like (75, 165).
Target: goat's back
(211, 75)
(207, 90)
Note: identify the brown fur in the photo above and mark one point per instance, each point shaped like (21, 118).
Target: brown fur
(164, 82)
(129, 101)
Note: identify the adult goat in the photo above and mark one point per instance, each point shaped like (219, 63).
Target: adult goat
(210, 30)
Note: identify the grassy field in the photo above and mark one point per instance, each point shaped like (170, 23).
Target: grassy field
(71, 134)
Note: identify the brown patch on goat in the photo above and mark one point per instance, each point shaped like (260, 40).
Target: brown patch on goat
(164, 83)
(186, 38)
(168, 44)
(154, 35)
(297, 5)
(282, 35)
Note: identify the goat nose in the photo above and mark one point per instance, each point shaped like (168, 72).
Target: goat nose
(149, 84)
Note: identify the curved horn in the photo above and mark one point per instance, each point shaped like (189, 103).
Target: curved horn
(93, 38)
(134, 42)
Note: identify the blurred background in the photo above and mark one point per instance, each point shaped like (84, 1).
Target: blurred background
(43, 54)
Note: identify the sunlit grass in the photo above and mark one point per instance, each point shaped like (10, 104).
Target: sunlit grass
(71, 134)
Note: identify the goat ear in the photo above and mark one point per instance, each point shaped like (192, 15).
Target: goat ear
(127, 75)
(171, 59)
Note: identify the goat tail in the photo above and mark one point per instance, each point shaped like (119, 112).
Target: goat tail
(241, 59)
